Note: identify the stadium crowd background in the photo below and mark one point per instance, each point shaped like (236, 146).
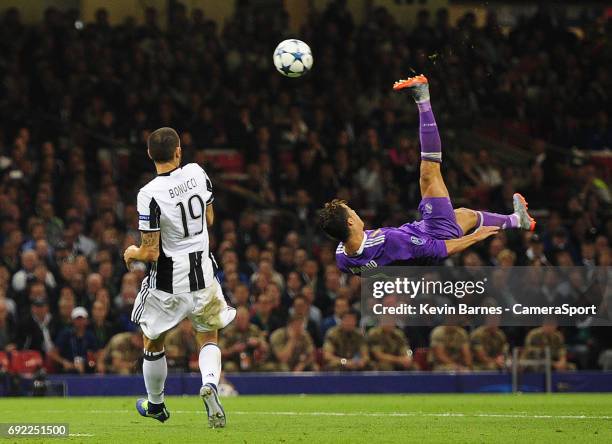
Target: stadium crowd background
(76, 106)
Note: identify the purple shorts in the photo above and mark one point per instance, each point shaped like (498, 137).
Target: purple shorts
(438, 219)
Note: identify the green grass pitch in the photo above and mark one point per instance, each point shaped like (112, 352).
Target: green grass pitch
(445, 419)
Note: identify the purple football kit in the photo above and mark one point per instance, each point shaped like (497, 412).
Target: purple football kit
(416, 243)
(422, 242)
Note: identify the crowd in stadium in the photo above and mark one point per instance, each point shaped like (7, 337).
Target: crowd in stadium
(76, 106)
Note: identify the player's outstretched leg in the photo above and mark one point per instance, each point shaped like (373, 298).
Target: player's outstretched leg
(519, 219)
(473, 219)
(431, 181)
(210, 367)
(154, 371)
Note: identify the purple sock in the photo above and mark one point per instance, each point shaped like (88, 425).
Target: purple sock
(431, 147)
(496, 220)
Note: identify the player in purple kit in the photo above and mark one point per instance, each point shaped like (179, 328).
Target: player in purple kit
(442, 230)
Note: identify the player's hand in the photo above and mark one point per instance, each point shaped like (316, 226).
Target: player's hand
(128, 255)
(484, 232)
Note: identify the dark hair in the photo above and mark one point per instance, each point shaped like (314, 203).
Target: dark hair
(161, 143)
(332, 220)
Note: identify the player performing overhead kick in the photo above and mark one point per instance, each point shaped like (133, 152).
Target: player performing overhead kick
(442, 230)
(174, 211)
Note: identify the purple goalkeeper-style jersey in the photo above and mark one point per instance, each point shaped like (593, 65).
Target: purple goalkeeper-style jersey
(416, 243)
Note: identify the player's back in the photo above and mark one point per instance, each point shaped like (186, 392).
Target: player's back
(404, 245)
(174, 203)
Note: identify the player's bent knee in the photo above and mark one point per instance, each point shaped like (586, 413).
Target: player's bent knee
(465, 212)
(466, 218)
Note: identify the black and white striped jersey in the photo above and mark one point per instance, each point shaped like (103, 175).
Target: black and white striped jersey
(175, 204)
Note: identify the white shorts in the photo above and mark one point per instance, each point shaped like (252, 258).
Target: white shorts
(157, 311)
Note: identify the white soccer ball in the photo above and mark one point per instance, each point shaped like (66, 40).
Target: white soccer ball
(293, 58)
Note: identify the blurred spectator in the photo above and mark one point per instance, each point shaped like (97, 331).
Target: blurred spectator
(37, 330)
(241, 296)
(293, 346)
(122, 354)
(345, 347)
(450, 349)
(180, 346)
(489, 345)
(265, 318)
(341, 306)
(65, 307)
(7, 329)
(301, 308)
(243, 345)
(76, 347)
(102, 328)
(26, 274)
(389, 347)
(535, 251)
(547, 336)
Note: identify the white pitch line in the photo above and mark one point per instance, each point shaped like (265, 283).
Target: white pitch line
(81, 434)
(423, 414)
(357, 414)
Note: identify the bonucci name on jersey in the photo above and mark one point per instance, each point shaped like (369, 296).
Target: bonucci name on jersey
(174, 203)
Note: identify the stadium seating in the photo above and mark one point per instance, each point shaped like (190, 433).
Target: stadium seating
(26, 362)
(4, 361)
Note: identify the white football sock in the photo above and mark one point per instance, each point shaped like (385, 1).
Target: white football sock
(210, 363)
(155, 370)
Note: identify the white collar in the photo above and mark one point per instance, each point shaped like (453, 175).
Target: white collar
(361, 247)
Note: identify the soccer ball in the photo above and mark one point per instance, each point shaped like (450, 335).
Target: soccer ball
(293, 58)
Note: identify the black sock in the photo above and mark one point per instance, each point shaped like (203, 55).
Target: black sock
(155, 408)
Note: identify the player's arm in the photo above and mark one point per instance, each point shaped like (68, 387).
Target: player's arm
(210, 215)
(458, 245)
(148, 250)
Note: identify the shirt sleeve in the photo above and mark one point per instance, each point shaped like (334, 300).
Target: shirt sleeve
(148, 212)
(401, 245)
(209, 189)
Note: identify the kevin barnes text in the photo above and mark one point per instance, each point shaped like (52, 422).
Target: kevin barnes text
(464, 309)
